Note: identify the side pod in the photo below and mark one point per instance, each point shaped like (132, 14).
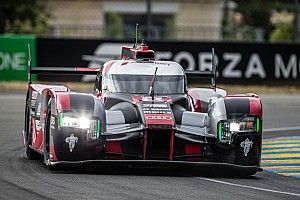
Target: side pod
(78, 129)
(236, 122)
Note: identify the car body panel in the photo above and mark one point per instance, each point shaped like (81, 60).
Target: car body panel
(171, 124)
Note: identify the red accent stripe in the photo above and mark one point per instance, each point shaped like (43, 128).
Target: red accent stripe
(197, 105)
(39, 139)
(166, 119)
(190, 149)
(113, 147)
(107, 66)
(86, 69)
(124, 63)
(63, 101)
(52, 152)
(255, 107)
(172, 144)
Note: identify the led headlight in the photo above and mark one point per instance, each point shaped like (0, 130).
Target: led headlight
(242, 126)
(229, 127)
(76, 122)
(248, 124)
(92, 126)
(84, 122)
(233, 126)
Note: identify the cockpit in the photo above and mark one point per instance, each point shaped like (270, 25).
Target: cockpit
(140, 84)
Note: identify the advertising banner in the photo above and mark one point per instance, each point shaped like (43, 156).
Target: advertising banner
(238, 63)
(14, 56)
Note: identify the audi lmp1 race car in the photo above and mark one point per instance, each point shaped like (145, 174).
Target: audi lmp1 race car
(142, 114)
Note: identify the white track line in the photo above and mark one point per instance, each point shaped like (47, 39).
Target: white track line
(292, 128)
(248, 187)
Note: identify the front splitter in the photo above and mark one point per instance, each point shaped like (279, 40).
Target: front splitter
(161, 164)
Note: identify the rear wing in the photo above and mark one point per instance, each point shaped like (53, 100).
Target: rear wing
(64, 70)
(93, 71)
(206, 74)
(58, 70)
(199, 74)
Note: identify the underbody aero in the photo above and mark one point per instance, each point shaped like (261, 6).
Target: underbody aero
(142, 113)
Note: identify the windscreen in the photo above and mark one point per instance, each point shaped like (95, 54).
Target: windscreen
(140, 84)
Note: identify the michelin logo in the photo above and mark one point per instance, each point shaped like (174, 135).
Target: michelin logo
(247, 144)
(71, 140)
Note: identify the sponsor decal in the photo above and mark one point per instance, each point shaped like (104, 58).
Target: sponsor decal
(38, 125)
(157, 112)
(33, 98)
(155, 105)
(38, 110)
(52, 122)
(71, 140)
(156, 117)
(156, 108)
(34, 94)
(247, 144)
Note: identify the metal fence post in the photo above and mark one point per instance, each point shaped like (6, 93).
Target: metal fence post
(149, 19)
(296, 20)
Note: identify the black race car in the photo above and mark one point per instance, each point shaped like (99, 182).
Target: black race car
(142, 114)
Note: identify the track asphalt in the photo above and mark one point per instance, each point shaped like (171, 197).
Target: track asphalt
(21, 178)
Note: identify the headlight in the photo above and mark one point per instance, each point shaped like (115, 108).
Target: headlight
(233, 126)
(247, 124)
(242, 126)
(227, 128)
(92, 126)
(84, 123)
(81, 122)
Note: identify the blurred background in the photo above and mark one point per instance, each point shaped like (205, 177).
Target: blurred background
(181, 20)
(256, 41)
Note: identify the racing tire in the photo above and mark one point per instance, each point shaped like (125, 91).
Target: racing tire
(249, 173)
(30, 153)
(46, 147)
(244, 173)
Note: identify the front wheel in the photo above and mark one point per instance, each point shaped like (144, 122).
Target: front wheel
(30, 153)
(46, 145)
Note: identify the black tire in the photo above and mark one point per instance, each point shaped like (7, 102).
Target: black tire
(245, 175)
(31, 154)
(46, 147)
(250, 173)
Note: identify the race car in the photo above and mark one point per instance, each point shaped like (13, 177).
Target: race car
(142, 114)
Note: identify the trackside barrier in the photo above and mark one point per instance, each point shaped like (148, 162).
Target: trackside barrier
(238, 63)
(14, 56)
